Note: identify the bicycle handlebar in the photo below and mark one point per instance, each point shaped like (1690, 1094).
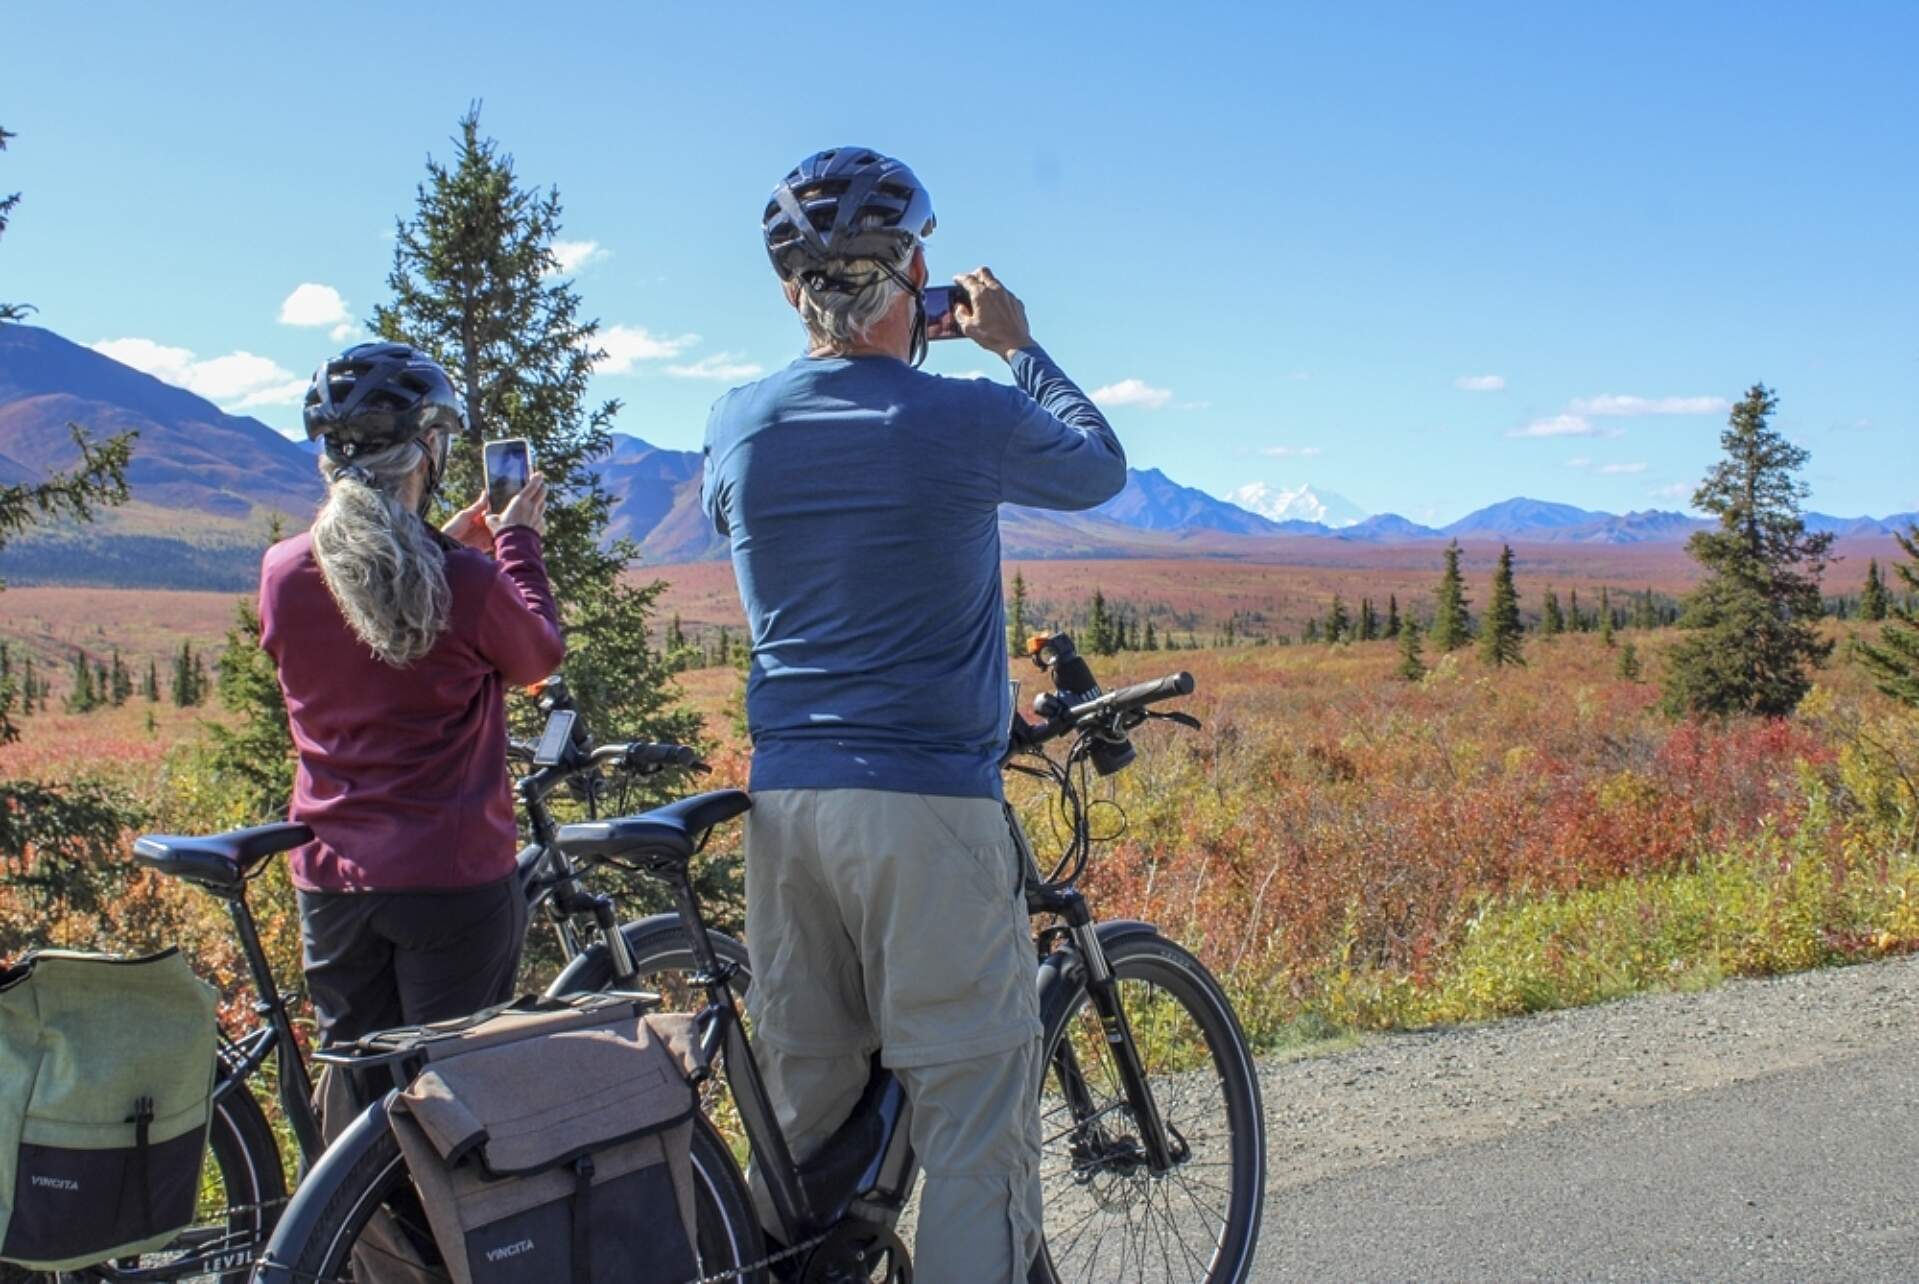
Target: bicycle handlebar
(1137, 696)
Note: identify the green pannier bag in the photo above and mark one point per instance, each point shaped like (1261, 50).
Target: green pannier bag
(106, 1089)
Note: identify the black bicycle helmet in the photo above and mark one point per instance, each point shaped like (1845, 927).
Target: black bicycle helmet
(845, 203)
(376, 395)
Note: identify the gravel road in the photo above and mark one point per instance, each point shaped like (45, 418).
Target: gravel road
(1765, 1130)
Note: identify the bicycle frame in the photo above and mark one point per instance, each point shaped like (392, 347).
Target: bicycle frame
(867, 1167)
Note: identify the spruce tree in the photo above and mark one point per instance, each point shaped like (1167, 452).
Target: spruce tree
(1752, 622)
(1016, 616)
(1368, 620)
(81, 698)
(1872, 599)
(1574, 620)
(1152, 642)
(1499, 632)
(121, 681)
(150, 685)
(1411, 667)
(1605, 617)
(1392, 615)
(1311, 632)
(1893, 661)
(1099, 627)
(1553, 622)
(1629, 662)
(1339, 625)
(1452, 628)
(475, 283)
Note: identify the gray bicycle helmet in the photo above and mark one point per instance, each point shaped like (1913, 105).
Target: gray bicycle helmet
(376, 395)
(844, 203)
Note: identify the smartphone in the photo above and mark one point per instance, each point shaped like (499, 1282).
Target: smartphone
(509, 464)
(940, 301)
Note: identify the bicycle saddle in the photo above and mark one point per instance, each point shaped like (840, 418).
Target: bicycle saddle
(668, 833)
(220, 862)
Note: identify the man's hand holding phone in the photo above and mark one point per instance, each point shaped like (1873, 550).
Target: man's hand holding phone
(991, 315)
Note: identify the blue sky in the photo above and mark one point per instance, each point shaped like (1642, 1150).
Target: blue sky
(1424, 256)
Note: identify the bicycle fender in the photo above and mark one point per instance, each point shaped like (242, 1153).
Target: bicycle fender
(592, 970)
(1061, 966)
(309, 1201)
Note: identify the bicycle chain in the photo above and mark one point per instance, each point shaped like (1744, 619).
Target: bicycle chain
(741, 1272)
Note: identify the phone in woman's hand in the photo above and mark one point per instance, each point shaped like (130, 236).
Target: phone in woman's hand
(509, 464)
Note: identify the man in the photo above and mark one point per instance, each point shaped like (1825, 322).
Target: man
(884, 894)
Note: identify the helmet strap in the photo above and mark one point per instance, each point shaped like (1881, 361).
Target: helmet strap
(918, 354)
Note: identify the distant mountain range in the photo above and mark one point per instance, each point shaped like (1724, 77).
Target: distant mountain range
(204, 483)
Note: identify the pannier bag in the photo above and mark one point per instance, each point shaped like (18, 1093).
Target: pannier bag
(555, 1146)
(106, 1088)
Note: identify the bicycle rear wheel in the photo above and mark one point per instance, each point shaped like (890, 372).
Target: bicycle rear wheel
(1108, 1216)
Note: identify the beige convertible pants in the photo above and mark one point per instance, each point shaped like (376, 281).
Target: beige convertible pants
(897, 922)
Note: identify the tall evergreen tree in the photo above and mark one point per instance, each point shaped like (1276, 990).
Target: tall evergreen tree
(1872, 599)
(1553, 621)
(150, 685)
(1339, 625)
(1152, 641)
(9, 311)
(476, 283)
(1392, 615)
(1893, 661)
(81, 698)
(1574, 620)
(1016, 616)
(1499, 632)
(1752, 622)
(1411, 667)
(1368, 620)
(1452, 628)
(1099, 627)
(1311, 632)
(120, 681)
(1605, 617)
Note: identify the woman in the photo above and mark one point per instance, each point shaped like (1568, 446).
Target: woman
(395, 643)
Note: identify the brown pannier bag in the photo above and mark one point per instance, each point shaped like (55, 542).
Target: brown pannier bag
(555, 1146)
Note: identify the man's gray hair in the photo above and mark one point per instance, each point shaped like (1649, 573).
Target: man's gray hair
(841, 317)
(379, 560)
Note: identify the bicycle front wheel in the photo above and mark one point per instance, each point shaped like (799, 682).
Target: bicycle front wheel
(1108, 1215)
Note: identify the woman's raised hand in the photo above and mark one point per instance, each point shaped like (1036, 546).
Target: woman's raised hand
(469, 527)
(528, 508)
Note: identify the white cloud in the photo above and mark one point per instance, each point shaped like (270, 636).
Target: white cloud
(720, 365)
(1579, 461)
(1615, 404)
(1677, 490)
(969, 374)
(314, 305)
(1619, 470)
(1480, 383)
(343, 331)
(574, 255)
(237, 381)
(624, 345)
(1291, 452)
(1133, 392)
(1557, 426)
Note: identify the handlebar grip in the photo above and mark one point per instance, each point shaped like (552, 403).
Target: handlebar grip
(646, 755)
(1144, 693)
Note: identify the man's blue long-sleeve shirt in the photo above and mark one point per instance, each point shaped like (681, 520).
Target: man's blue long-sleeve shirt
(861, 498)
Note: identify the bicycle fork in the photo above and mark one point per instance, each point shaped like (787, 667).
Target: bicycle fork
(1162, 1150)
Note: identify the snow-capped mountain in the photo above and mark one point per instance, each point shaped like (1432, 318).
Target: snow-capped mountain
(1302, 505)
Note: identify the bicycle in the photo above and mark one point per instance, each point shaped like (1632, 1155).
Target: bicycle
(245, 1191)
(1121, 1098)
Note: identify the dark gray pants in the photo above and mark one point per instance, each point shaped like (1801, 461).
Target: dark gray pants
(375, 960)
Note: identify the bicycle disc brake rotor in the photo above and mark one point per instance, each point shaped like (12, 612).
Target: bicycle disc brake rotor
(858, 1253)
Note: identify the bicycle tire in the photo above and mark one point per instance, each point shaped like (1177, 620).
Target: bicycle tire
(243, 1150)
(1149, 959)
(658, 945)
(729, 1233)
